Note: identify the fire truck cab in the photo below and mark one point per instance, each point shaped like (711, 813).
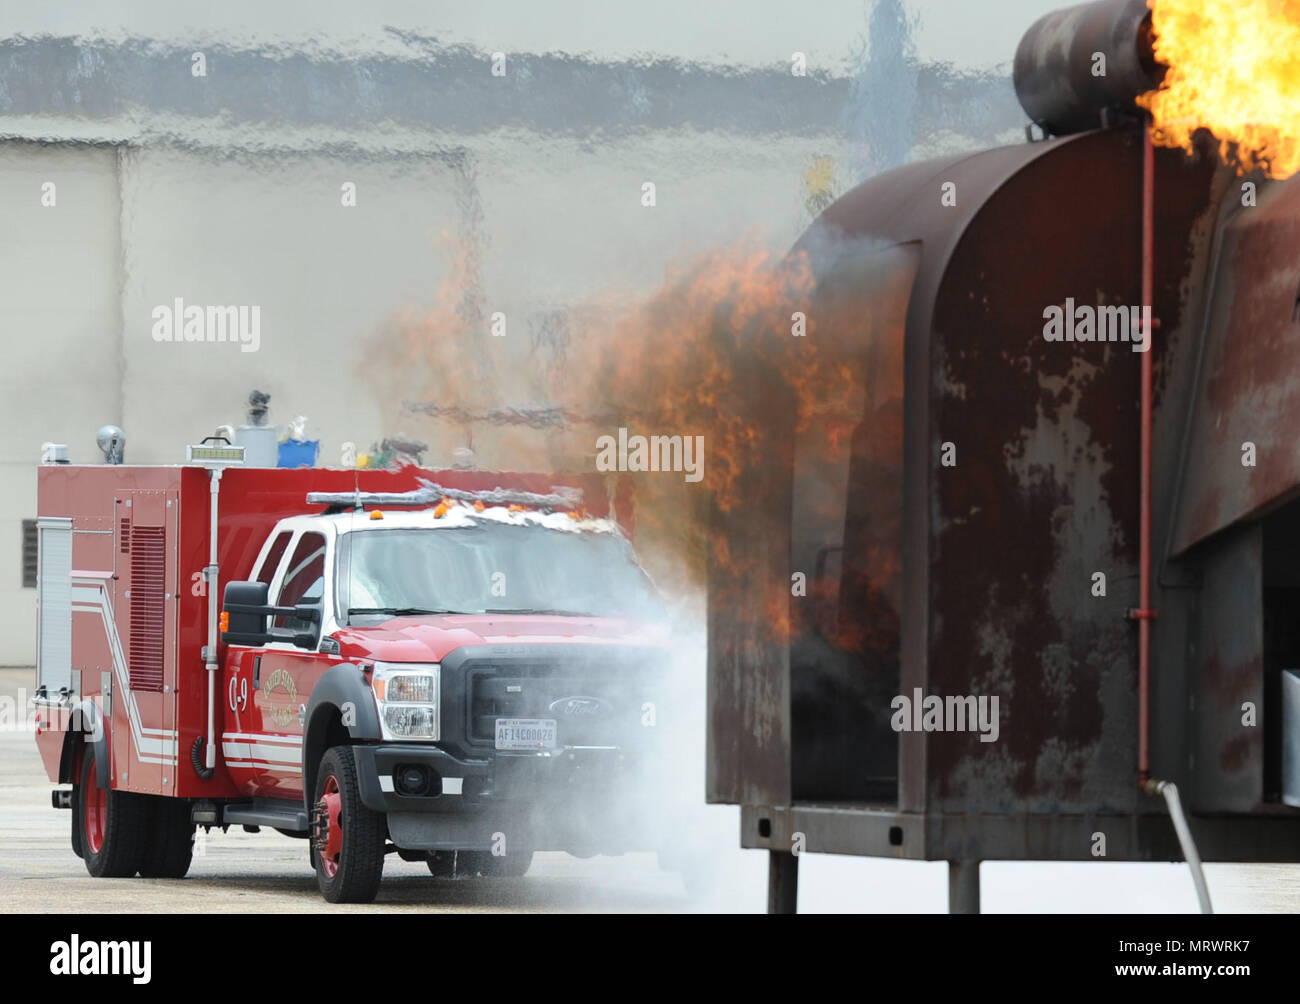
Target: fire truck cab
(415, 662)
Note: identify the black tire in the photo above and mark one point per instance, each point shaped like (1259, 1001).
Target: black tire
(358, 861)
(76, 822)
(442, 864)
(489, 865)
(120, 832)
(170, 846)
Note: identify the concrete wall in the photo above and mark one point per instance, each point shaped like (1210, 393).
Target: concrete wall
(270, 233)
(61, 328)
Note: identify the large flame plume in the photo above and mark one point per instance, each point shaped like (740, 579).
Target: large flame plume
(1233, 69)
(751, 349)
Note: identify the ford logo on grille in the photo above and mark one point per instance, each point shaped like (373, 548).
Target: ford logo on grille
(580, 707)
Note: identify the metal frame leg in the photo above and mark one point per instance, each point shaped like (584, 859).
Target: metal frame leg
(963, 887)
(782, 882)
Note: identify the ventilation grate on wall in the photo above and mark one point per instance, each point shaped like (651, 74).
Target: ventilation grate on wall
(148, 606)
(29, 554)
(124, 526)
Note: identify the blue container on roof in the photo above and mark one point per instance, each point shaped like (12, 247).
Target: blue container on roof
(298, 453)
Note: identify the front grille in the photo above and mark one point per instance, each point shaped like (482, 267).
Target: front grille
(608, 714)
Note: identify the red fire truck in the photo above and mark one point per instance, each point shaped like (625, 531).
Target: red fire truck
(458, 667)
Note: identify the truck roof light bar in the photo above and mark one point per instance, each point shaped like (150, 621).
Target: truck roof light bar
(560, 497)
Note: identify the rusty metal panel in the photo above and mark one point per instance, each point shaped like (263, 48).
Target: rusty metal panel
(1043, 493)
(834, 830)
(1249, 392)
(904, 205)
(1227, 669)
(1270, 836)
(748, 703)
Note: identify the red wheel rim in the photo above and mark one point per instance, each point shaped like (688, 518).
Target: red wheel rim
(95, 817)
(330, 808)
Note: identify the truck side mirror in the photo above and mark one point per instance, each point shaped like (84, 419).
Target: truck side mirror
(245, 608)
(308, 612)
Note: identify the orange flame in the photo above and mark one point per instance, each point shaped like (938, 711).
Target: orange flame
(716, 351)
(1234, 69)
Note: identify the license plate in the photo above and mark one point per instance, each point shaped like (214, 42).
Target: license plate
(525, 733)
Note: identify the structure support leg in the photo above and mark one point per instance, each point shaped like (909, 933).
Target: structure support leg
(963, 887)
(782, 882)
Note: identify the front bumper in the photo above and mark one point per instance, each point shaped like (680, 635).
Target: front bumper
(581, 800)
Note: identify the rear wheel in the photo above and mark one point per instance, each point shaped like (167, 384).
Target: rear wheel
(170, 847)
(76, 822)
(112, 825)
(347, 838)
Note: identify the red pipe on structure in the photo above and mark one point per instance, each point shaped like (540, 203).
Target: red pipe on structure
(1144, 613)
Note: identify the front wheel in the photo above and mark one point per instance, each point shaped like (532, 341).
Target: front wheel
(347, 839)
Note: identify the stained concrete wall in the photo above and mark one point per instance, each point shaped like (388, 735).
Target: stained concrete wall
(61, 331)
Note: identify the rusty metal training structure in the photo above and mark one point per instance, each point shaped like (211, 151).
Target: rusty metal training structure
(1017, 475)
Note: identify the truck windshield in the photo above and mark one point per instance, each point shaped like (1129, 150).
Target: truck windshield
(490, 569)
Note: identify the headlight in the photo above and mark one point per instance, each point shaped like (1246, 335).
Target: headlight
(407, 698)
